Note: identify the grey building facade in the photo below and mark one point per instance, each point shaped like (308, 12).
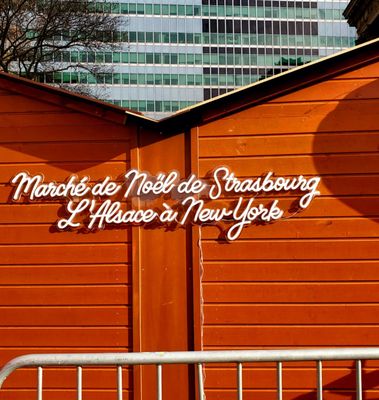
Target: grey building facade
(175, 53)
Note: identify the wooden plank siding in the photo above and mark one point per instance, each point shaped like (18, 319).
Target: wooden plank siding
(61, 291)
(311, 280)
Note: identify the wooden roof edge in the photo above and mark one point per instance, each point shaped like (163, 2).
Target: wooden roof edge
(228, 103)
(71, 100)
(275, 86)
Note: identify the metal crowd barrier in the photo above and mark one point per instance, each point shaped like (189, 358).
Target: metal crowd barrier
(197, 358)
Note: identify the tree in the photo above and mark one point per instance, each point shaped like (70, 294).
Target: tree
(34, 34)
(282, 65)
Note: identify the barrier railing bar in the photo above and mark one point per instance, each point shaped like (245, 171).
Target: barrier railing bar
(319, 380)
(190, 357)
(39, 383)
(358, 365)
(279, 378)
(119, 382)
(199, 358)
(239, 381)
(200, 381)
(159, 382)
(79, 375)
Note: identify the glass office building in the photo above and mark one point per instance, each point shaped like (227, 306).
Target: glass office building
(175, 53)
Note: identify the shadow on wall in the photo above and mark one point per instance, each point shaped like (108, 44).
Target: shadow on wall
(355, 121)
(345, 387)
(347, 143)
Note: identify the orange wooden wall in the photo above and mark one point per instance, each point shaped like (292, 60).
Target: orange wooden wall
(67, 291)
(312, 280)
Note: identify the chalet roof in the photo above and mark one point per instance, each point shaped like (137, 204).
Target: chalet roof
(68, 99)
(277, 85)
(228, 103)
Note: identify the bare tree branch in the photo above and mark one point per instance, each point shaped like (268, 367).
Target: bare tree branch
(34, 32)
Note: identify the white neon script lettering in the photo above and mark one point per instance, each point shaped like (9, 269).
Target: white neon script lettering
(225, 181)
(140, 184)
(197, 200)
(35, 188)
(74, 210)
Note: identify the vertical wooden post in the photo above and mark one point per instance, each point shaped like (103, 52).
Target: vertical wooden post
(162, 289)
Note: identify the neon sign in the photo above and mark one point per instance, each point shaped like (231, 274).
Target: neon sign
(192, 197)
